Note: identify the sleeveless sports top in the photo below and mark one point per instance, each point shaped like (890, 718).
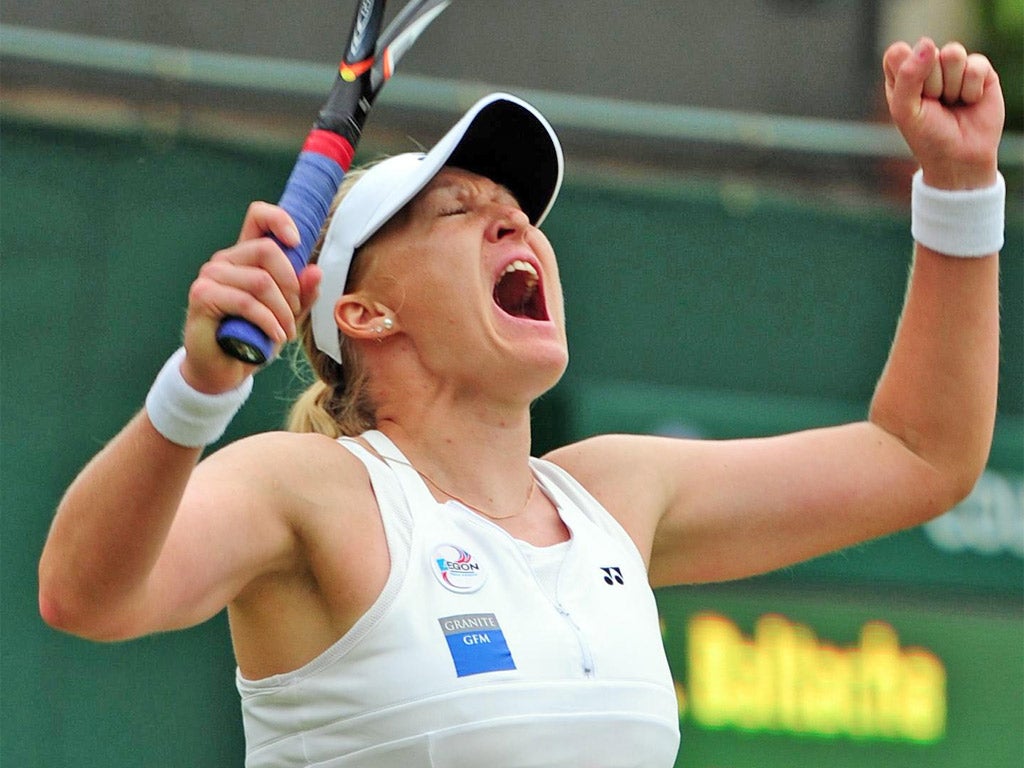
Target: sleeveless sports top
(466, 659)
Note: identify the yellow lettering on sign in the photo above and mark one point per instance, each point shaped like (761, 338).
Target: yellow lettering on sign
(785, 679)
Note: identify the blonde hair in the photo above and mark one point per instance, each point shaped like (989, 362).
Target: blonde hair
(338, 401)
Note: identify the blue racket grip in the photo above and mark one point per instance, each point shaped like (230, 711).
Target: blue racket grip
(307, 198)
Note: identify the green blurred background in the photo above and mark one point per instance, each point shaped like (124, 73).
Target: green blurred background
(719, 302)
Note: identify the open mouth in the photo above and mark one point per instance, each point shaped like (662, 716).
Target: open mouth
(517, 292)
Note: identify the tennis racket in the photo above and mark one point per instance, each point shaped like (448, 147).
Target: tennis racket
(369, 61)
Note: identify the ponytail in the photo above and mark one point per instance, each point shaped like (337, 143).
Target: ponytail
(338, 401)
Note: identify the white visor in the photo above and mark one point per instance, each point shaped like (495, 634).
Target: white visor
(501, 137)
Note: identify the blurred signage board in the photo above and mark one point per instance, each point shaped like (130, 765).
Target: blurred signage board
(770, 678)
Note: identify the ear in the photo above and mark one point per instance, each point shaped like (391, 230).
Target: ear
(360, 318)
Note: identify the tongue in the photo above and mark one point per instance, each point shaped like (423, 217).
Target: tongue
(513, 295)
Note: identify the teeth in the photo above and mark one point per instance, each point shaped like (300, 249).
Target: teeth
(516, 290)
(523, 266)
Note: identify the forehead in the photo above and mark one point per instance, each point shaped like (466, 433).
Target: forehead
(459, 181)
(450, 184)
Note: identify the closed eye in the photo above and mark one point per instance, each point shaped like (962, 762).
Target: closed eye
(452, 211)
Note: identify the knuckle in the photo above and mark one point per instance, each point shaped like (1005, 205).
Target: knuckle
(250, 307)
(199, 290)
(262, 282)
(267, 250)
(255, 207)
(977, 61)
(954, 51)
(224, 254)
(209, 269)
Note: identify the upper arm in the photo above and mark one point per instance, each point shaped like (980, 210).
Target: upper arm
(241, 518)
(231, 527)
(707, 510)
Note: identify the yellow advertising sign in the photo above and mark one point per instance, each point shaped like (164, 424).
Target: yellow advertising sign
(784, 679)
(844, 678)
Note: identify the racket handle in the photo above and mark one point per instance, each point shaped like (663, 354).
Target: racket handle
(307, 198)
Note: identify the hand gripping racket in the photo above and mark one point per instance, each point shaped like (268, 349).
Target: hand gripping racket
(369, 61)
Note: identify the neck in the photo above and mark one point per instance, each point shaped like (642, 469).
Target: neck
(477, 456)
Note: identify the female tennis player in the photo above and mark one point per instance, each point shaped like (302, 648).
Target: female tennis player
(406, 585)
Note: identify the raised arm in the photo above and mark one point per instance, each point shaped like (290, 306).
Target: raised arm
(142, 541)
(715, 510)
(937, 394)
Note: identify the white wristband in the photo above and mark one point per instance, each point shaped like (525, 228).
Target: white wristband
(186, 416)
(964, 223)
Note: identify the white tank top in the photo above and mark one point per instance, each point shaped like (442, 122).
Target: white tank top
(466, 658)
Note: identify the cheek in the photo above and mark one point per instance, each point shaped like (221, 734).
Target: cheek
(437, 298)
(413, 277)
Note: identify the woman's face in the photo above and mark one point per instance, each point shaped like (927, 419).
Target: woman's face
(474, 286)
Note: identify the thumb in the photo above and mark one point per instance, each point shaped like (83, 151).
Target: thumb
(309, 286)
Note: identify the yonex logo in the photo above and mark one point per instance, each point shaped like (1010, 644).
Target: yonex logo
(612, 575)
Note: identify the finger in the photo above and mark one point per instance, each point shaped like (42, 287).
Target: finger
(267, 256)
(259, 289)
(909, 80)
(309, 286)
(215, 299)
(953, 60)
(265, 219)
(933, 81)
(976, 73)
(892, 60)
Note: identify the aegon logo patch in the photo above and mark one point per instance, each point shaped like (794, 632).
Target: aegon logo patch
(457, 569)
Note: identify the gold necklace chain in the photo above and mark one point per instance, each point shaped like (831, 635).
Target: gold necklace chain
(463, 502)
(449, 494)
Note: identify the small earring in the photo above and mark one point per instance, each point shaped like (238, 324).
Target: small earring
(388, 323)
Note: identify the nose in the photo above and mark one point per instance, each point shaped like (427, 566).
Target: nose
(507, 221)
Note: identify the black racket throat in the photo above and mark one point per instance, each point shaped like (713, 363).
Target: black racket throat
(366, 24)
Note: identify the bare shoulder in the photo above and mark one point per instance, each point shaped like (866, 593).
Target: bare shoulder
(281, 462)
(592, 459)
(275, 447)
(278, 479)
(625, 473)
(605, 462)
(308, 481)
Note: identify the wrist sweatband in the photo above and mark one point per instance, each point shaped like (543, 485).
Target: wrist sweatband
(186, 416)
(964, 223)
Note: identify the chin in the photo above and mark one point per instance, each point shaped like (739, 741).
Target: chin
(543, 370)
